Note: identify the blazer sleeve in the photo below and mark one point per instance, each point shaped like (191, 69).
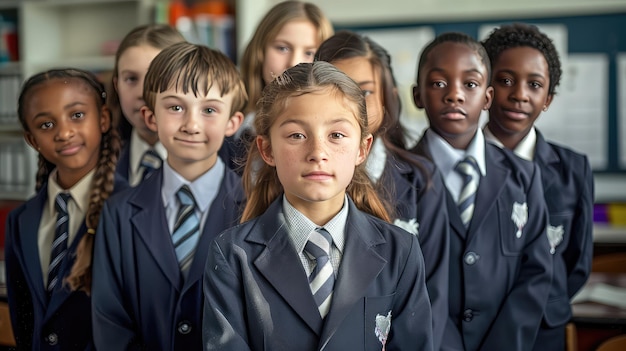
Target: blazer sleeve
(434, 240)
(580, 248)
(516, 325)
(410, 327)
(113, 326)
(223, 324)
(19, 295)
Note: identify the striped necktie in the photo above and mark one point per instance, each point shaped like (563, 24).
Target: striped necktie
(468, 168)
(186, 229)
(322, 279)
(59, 244)
(150, 161)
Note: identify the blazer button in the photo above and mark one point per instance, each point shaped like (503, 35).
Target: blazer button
(471, 258)
(468, 315)
(184, 327)
(52, 339)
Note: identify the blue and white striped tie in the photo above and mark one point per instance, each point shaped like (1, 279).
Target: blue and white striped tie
(322, 279)
(186, 229)
(59, 244)
(468, 168)
(150, 161)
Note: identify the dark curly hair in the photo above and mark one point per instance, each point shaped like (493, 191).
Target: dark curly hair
(522, 34)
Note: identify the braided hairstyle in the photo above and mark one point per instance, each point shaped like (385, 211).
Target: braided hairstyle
(103, 182)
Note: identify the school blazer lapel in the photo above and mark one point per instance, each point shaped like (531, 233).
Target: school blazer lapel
(150, 223)
(548, 161)
(489, 187)
(28, 244)
(360, 265)
(279, 263)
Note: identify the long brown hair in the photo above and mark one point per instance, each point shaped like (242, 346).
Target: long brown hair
(103, 181)
(273, 21)
(261, 182)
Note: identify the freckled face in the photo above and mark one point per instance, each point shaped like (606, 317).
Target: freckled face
(65, 125)
(521, 80)
(454, 89)
(315, 144)
(296, 42)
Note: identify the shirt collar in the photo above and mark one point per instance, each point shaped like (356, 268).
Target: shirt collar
(80, 191)
(376, 160)
(299, 226)
(446, 157)
(204, 189)
(524, 149)
(138, 147)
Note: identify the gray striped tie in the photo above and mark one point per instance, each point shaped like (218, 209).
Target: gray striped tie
(468, 168)
(59, 244)
(150, 161)
(186, 229)
(322, 279)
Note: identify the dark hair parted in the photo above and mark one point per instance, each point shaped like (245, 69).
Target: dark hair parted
(266, 31)
(260, 180)
(455, 37)
(193, 68)
(345, 45)
(525, 35)
(103, 182)
(158, 36)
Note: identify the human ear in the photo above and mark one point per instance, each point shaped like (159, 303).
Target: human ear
(30, 140)
(488, 98)
(417, 97)
(115, 80)
(265, 149)
(234, 122)
(364, 150)
(548, 102)
(149, 118)
(105, 119)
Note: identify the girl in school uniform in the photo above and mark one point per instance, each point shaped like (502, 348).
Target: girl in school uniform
(142, 152)
(526, 71)
(410, 184)
(315, 265)
(50, 237)
(288, 34)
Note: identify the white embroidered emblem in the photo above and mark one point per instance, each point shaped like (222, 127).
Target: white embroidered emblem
(555, 237)
(519, 217)
(410, 226)
(383, 326)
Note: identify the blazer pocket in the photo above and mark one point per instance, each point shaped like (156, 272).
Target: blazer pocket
(378, 317)
(558, 312)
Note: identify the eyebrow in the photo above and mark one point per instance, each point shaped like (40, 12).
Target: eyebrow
(301, 122)
(471, 70)
(512, 72)
(203, 100)
(66, 107)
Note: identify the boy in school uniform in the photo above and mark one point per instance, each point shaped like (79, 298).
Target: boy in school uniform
(500, 261)
(526, 72)
(154, 239)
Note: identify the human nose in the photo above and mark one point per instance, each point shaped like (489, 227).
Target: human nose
(455, 94)
(519, 93)
(191, 123)
(317, 151)
(65, 131)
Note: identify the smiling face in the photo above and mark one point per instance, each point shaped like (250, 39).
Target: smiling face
(192, 128)
(521, 80)
(360, 69)
(65, 125)
(315, 144)
(296, 42)
(453, 89)
(132, 67)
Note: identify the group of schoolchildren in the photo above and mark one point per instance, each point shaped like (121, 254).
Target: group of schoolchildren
(280, 206)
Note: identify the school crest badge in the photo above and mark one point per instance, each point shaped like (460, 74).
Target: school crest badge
(410, 226)
(555, 237)
(519, 217)
(383, 326)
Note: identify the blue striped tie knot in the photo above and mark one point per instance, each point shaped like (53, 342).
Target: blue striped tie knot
(322, 279)
(59, 244)
(150, 161)
(468, 168)
(186, 228)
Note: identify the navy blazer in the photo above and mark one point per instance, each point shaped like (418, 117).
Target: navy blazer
(140, 298)
(64, 321)
(420, 199)
(499, 283)
(257, 296)
(123, 162)
(568, 187)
